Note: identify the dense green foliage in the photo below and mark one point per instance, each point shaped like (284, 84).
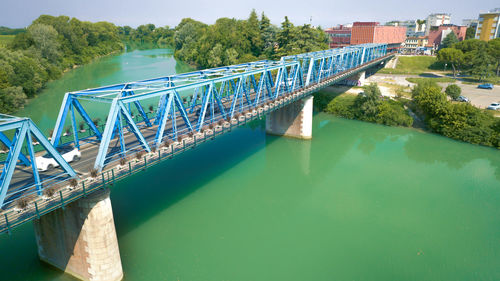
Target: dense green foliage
(460, 121)
(451, 56)
(453, 91)
(231, 41)
(475, 57)
(147, 33)
(49, 46)
(5, 40)
(470, 33)
(372, 107)
(449, 40)
(10, 31)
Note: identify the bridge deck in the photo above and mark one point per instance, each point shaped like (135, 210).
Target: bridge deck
(13, 217)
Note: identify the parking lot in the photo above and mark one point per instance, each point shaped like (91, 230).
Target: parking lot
(479, 97)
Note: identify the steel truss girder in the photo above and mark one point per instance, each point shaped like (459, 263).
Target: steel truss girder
(216, 93)
(24, 130)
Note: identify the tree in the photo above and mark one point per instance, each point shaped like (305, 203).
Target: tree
(253, 33)
(429, 98)
(368, 103)
(215, 56)
(470, 45)
(48, 47)
(268, 36)
(45, 40)
(494, 50)
(470, 33)
(482, 63)
(11, 98)
(460, 121)
(453, 91)
(449, 40)
(452, 56)
(285, 36)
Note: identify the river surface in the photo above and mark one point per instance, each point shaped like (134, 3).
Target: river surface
(358, 202)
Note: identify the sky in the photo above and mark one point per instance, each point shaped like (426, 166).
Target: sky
(325, 13)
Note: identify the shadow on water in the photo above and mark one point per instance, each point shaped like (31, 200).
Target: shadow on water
(141, 197)
(146, 194)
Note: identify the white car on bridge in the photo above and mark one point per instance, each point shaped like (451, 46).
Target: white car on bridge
(47, 163)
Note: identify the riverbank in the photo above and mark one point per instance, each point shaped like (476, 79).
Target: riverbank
(45, 51)
(426, 107)
(132, 65)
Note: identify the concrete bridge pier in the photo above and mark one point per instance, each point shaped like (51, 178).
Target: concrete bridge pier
(358, 79)
(81, 239)
(293, 120)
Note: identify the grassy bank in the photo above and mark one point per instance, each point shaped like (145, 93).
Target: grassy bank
(414, 65)
(434, 79)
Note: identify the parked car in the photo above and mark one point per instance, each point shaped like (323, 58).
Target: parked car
(494, 106)
(288, 82)
(462, 99)
(47, 163)
(488, 86)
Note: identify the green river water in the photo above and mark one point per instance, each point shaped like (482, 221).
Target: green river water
(358, 202)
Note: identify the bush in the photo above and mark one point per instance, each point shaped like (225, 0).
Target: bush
(73, 182)
(49, 192)
(458, 121)
(392, 113)
(371, 107)
(93, 173)
(139, 155)
(342, 106)
(453, 91)
(23, 202)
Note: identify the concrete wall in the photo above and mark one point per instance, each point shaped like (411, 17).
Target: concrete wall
(389, 34)
(358, 79)
(293, 120)
(392, 63)
(372, 32)
(81, 239)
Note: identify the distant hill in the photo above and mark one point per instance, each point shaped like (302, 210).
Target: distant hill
(10, 31)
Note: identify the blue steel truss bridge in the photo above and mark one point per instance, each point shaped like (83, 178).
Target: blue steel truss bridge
(187, 110)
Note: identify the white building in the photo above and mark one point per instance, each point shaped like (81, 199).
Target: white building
(436, 20)
(470, 22)
(413, 27)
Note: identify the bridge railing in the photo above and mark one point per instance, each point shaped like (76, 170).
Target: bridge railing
(190, 102)
(24, 132)
(135, 160)
(186, 103)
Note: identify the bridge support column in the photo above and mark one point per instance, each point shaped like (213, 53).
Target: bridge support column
(293, 120)
(81, 239)
(358, 79)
